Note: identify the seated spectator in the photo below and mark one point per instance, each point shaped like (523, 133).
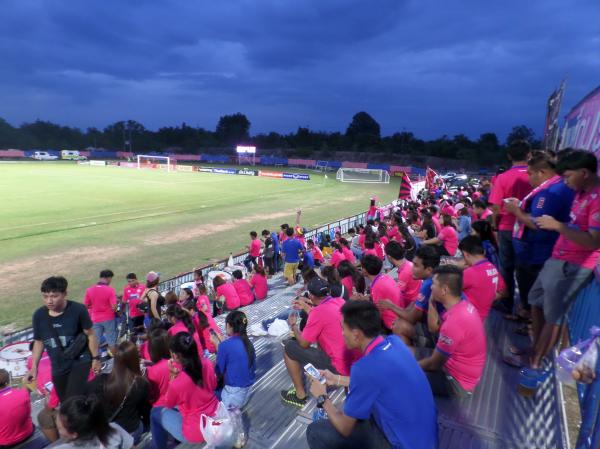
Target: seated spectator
(483, 230)
(389, 403)
(242, 287)
(323, 328)
(351, 278)
(226, 293)
(124, 392)
(258, 282)
(157, 371)
(307, 260)
(336, 288)
(132, 296)
(171, 298)
(382, 287)
(198, 281)
(482, 284)
(464, 221)
(317, 254)
(291, 249)
(348, 254)
(203, 323)
(236, 361)
(455, 366)
(101, 300)
(482, 211)
(191, 394)
(202, 300)
(181, 321)
(15, 413)
(354, 237)
(337, 255)
(185, 295)
(82, 423)
(446, 242)
(408, 285)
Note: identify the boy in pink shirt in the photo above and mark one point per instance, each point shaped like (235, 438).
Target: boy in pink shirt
(101, 300)
(253, 251)
(408, 286)
(132, 294)
(323, 327)
(574, 257)
(455, 366)
(242, 288)
(513, 183)
(482, 283)
(15, 413)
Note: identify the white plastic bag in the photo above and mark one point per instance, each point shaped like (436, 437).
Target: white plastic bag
(582, 356)
(278, 328)
(218, 430)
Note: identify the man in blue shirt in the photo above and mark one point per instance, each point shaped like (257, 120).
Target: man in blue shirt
(291, 249)
(389, 402)
(532, 245)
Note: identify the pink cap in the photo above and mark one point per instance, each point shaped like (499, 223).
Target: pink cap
(152, 276)
(449, 210)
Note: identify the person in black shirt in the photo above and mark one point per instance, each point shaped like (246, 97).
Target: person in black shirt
(66, 320)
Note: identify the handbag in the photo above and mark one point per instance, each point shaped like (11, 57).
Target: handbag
(118, 410)
(75, 349)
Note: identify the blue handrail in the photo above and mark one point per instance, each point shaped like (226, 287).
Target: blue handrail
(584, 314)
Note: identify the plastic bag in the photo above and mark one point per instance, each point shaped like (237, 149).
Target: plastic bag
(218, 430)
(582, 355)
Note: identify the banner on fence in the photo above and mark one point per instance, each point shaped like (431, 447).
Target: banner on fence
(224, 171)
(98, 163)
(185, 168)
(270, 174)
(297, 176)
(247, 172)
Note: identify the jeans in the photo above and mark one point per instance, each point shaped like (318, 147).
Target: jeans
(108, 329)
(249, 261)
(73, 383)
(507, 265)
(165, 421)
(526, 276)
(365, 435)
(235, 396)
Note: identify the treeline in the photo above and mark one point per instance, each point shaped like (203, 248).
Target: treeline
(363, 134)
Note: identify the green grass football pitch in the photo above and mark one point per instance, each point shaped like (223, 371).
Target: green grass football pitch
(64, 219)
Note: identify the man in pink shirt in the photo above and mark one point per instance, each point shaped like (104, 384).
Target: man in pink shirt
(101, 301)
(455, 366)
(132, 294)
(253, 251)
(323, 327)
(15, 413)
(513, 183)
(409, 286)
(574, 257)
(481, 211)
(482, 283)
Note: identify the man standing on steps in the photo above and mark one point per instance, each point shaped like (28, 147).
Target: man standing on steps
(513, 183)
(58, 327)
(101, 300)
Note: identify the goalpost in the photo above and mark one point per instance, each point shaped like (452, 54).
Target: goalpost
(363, 175)
(157, 162)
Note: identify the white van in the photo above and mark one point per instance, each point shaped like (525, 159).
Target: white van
(72, 155)
(44, 156)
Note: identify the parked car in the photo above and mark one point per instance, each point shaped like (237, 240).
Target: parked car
(72, 155)
(44, 156)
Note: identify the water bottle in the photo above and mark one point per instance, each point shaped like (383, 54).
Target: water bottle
(319, 413)
(206, 353)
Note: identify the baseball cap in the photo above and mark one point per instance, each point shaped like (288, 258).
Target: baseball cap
(318, 287)
(458, 207)
(152, 276)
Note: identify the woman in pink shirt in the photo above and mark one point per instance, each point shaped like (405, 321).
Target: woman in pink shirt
(242, 288)
(204, 323)
(372, 212)
(226, 293)
(157, 372)
(316, 252)
(446, 242)
(15, 413)
(352, 279)
(258, 282)
(182, 322)
(202, 301)
(191, 393)
(348, 254)
(337, 256)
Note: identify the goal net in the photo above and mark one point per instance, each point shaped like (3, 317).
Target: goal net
(363, 175)
(155, 162)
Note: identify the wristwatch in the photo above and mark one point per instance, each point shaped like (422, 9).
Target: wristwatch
(96, 357)
(321, 400)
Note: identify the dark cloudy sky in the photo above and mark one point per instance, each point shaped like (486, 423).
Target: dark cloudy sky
(427, 66)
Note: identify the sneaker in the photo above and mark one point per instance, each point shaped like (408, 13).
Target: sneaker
(289, 397)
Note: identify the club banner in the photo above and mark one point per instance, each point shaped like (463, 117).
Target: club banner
(224, 171)
(246, 172)
(582, 124)
(270, 174)
(205, 170)
(297, 176)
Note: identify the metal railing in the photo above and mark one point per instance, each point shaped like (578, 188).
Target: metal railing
(584, 314)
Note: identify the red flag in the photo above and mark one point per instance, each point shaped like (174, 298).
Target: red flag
(433, 180)
(405, 188)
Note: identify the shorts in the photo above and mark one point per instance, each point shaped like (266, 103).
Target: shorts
(556, 286)
(423, 336)
(316, 356)
(108, 329)
(289, 270)
(235, 396)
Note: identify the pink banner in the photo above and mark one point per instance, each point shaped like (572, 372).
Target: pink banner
(302, 162)
(398, 168)
(12, 153)
(185, 157)
(347, 164)
(582, 125)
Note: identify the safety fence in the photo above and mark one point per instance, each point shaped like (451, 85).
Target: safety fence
(584, 314)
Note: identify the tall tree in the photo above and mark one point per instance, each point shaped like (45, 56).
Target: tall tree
(521, 132)
(363, 131)
(233, 129)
